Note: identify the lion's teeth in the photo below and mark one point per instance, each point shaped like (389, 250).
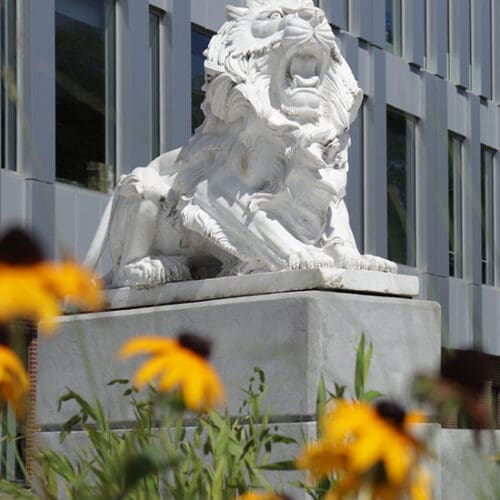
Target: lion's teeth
(299, 81)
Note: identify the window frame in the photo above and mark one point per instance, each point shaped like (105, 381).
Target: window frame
(410, 223)
(487, 216)
(455, 201)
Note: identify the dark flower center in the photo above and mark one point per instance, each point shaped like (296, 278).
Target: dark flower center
(195, 343)
(18, 248)
(391, 411)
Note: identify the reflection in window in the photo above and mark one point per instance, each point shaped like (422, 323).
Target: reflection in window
(8, 87)
(487, 211)
(199, 42)
(401, 225)
(393, 23)
(154, 65)
(455, 204)
(85, 93)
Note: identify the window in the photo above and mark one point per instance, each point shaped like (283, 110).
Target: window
(8, 87)
(401, 223)
(199, 42)
(455, 205)
(487, 214)
(393, 23)
(85, 93)
(154, 65)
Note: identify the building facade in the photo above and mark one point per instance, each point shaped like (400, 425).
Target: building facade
(93, 88)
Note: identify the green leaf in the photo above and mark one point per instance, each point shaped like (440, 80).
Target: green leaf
(359, 372)
(371, 395)
(282, 465)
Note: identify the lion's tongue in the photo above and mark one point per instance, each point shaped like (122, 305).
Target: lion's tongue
(303, 70)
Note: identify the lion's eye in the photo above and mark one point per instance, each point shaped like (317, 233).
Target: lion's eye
(275, 15)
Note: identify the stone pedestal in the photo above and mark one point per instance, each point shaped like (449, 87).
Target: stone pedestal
(293, 336)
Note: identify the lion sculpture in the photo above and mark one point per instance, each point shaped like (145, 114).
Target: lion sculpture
(261, 184)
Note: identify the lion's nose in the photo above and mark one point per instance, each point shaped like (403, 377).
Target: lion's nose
(313, 16)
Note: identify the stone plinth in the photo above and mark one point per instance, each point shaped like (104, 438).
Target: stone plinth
(294, 337)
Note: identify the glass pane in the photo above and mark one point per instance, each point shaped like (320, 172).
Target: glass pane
(455, 205)
(85, 93)
(393, 23)
(154, 64)
(199, 42)
(487, 214)
(401, 188)
(9, 82)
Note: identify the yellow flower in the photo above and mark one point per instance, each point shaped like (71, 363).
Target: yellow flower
(14, 382)
(254, 495)
(178, 363)
(33, 288)
(370, 446)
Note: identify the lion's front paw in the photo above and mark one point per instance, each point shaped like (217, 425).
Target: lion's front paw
(309, 258)
(153, 271)
(373, 263)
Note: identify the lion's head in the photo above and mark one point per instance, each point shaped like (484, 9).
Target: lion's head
(280, 58)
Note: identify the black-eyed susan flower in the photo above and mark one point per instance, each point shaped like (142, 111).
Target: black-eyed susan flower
(33, 288)
(178, 363)
(255, 495)
(368, 447)
(14, 381)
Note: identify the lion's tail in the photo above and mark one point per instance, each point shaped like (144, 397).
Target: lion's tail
(101, 236)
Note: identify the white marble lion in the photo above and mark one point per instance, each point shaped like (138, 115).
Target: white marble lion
(261, 184)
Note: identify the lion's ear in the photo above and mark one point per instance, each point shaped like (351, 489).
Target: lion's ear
(234, 13)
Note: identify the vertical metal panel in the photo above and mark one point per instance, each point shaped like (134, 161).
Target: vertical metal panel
(432, 185)
(378, 22)
(413, 31)
(12, 200)
(376, 159)
(199, 12)
(437, 36)
(40, 213)
(178, 79)
(472, 195)
(481, 47)
(336, 12)
(354, 197)
(36, 77)
(460, 315)
(437, 288)
(132, 85)
(496, 216)
(459, 42)
(490, 298)
(361, 14)
(495, 22)
(65, 227)
(216, 14)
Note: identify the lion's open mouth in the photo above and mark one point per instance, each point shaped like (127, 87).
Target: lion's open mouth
(303, 70)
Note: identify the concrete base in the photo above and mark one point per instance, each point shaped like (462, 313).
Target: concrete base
(294, 337)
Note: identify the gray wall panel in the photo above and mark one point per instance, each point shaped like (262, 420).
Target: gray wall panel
(481, 47)
(458, 111)
(413, 30)
(432, 176)
(40, 213)
(133, 84)
(376, 158)
(360, 19)
(335, 11)
(490, 134)
(178, 82)
(12, 200)
(402, 86)
(199, 12)
(459, 42)
(437, 36)
(65, 226)
(378, 22)
(496, 218)
(495, 16)
(437, 288)
(490, 298)
(471, 183)
(36, 86)
(461, 333)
